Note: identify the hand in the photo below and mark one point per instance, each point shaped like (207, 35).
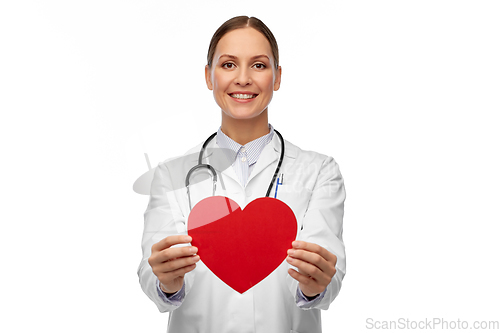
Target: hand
(171, 264)
(316, 267)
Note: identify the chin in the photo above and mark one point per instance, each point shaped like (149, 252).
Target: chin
(242, 116)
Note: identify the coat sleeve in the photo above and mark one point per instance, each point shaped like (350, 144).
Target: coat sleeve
(322, 225)
(163, 217)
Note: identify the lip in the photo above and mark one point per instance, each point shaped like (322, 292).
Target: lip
(243, 100)
(243, 92)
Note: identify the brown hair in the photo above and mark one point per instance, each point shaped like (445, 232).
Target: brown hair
(242, 22)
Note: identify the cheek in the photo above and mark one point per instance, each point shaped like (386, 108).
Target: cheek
(266, 82)
(220, 82)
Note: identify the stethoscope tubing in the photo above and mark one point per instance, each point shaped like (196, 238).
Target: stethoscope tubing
(214, 173)
(279, 163)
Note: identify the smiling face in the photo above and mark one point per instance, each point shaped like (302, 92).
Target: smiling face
(243, 74)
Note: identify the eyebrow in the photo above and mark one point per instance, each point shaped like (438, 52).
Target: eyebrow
(252, 58)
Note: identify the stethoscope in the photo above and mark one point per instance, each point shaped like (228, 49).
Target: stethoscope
(214, 174)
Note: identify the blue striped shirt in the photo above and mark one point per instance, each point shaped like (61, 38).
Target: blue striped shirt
(246, 156)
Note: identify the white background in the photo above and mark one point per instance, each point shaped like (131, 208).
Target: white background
(403, 94)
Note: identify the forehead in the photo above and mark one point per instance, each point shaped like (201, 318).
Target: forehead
(243, 42)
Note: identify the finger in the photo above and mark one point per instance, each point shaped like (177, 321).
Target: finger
(308, 269)
(303, 279)
(176, 252)
(312, 247)
(308, 286)
(169, 241)
(169, 276)
(314, 259)
(171, 253)
(176, 264)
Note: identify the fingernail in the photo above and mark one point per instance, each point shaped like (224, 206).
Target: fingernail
(187, 239)
(295, 244)
(291, 252)
(193, 250)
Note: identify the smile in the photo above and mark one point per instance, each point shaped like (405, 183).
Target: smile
(243, 96)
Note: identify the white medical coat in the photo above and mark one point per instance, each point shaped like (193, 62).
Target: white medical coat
(313, 188)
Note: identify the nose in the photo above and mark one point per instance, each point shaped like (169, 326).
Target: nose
(243, 77)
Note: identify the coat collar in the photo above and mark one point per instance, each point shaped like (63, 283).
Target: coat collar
(270, 153)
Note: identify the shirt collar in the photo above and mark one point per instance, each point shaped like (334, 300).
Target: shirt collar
(252, 149)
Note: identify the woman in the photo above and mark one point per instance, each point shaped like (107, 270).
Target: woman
(243, 72)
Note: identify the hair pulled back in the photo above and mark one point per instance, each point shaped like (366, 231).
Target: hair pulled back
(239, 22)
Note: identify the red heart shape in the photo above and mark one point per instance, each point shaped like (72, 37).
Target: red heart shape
(242, 247)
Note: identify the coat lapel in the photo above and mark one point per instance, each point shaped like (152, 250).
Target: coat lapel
(219, 160)
(270, 154)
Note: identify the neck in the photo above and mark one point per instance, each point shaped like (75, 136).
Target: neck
(244, 131)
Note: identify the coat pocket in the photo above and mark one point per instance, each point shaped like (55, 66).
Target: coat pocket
(297, 198)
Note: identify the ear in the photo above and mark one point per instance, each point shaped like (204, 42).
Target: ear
(208, 78)
(277, 79)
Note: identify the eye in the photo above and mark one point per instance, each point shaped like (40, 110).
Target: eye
(260, 66)
(228, 65)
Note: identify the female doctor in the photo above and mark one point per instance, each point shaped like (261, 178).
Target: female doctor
(243, 72)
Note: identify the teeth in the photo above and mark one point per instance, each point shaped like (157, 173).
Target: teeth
(242, 96)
